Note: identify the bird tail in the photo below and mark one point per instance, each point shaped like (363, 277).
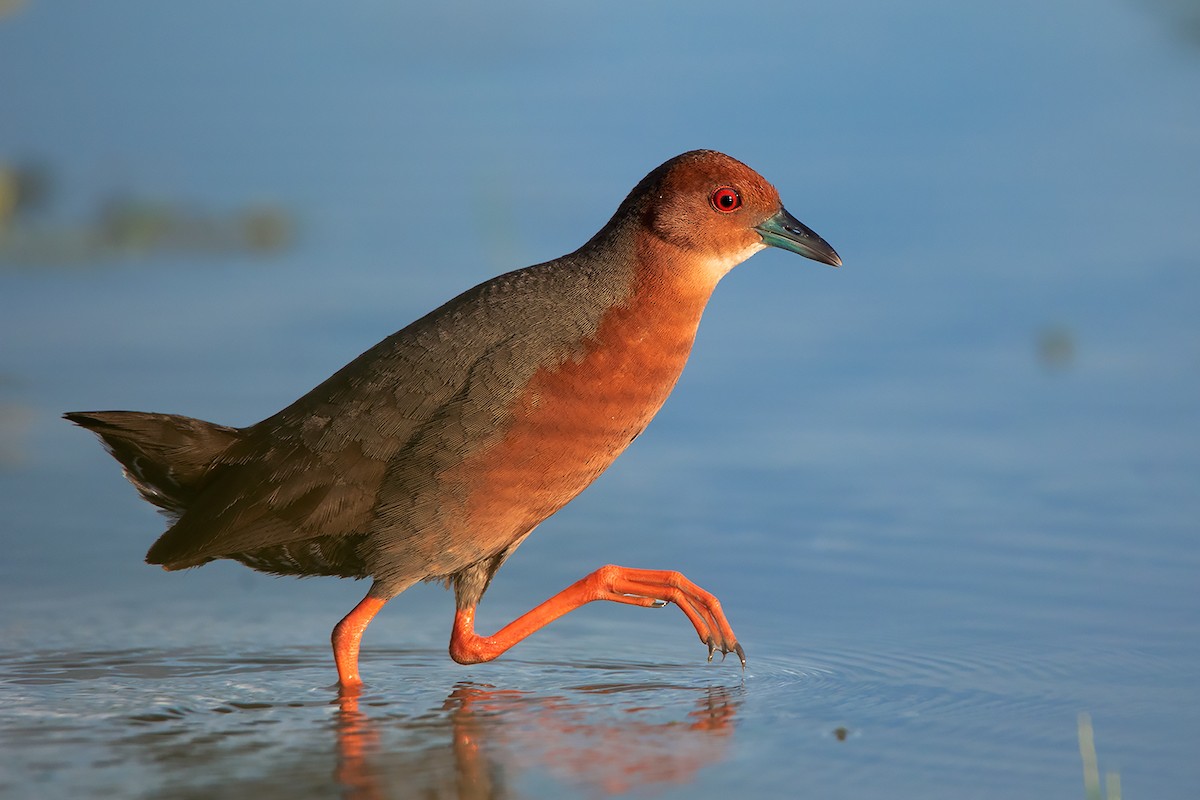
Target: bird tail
(165, 456)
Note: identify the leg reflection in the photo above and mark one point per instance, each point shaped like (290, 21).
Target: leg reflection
(358, 742)
(605, 739)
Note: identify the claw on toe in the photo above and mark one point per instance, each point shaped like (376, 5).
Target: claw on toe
(725, 650)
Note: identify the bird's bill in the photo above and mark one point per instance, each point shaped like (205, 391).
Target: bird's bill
(788, 233)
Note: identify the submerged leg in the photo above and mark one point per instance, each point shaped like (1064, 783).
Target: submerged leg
(347, 636)
(635, 587)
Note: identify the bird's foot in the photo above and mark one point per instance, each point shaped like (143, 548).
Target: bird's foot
(655, 588)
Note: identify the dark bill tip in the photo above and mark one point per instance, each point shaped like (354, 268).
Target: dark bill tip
(788, 233)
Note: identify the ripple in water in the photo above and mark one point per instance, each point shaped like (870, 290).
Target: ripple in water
(188, 720)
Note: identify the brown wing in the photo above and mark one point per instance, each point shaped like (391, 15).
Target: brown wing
(305, 474)
(415, 403)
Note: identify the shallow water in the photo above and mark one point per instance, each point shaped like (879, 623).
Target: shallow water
(946, 494)
(190, 723)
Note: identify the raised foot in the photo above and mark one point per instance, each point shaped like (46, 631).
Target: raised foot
(651, 588)
(647, 588)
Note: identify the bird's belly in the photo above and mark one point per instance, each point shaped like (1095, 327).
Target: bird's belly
(561, 437)
(568, 425)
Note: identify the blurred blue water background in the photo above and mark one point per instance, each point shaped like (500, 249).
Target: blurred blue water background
(947, 494)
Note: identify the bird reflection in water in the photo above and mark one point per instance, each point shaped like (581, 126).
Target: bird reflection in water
(494, 735)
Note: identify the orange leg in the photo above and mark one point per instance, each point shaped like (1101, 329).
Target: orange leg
(347, 636)
(635, 587)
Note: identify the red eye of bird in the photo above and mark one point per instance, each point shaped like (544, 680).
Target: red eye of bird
(726, 199)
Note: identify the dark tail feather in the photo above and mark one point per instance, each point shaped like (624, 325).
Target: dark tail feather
(164, 455)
